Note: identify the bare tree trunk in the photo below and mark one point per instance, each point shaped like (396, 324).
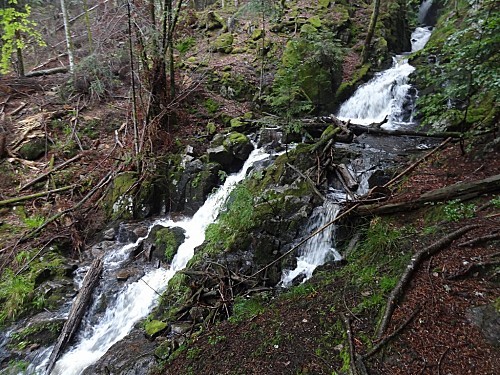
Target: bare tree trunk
(67, 31)
(87, 24)
(371, 30)
(20, 60)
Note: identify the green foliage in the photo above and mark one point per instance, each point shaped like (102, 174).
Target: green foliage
(212, 106)
(245, 309)
(455, 210)
(309, 68)
(185, 44)
(233, 222)
(34, 221)
(18, 293)
(14, 24)
(466, 76)
(496, 202)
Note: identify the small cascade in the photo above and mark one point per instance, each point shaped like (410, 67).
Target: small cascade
(320, 248)
(388, 94)
(135, 301)
(423, 10)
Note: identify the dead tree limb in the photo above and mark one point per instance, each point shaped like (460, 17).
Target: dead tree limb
(415, 262)
(356, 365)
(53, 218)
(489, 237)
(388, 338)
(46, 72)
(78, 308)
(361, 129)
(36, 195)
(461, 190)
(414, 165)
(45, 175)
(471, 267)
(313, 186)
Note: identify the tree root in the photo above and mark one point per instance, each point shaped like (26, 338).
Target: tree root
(415, 262)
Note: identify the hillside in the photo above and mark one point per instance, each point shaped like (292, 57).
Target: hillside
(165, 103)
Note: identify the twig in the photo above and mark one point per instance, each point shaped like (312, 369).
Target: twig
(414, 165)
(415, 262)
(36, 195)
(18, 109)
(37, 254)
(471, 267)
(356, 364)
(313, 186)
(101, 183)
(486, 238)
(388, 338)
(43, 176)
(441, 360)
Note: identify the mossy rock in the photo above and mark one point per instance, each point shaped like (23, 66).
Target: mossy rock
(154, 328)
(42, 333)
(213, 21)
(167, 242)
(238, 125)
(223, 43)
(324, 3)
(33, 149)
(308, 29)
(211, 128)
(257, 34)
(239, 145)
(119, 202)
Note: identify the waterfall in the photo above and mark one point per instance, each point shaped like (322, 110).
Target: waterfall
(320, 248)
(423, 10)
(137, 299)
(387, 93)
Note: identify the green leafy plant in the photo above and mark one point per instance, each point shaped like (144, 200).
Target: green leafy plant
(244, 309)
(211, 105)
(185, 44)
(34, 221)
(14, 24)
(496, 202)
(455, 210)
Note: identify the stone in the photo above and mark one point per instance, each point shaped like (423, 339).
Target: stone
(32, 149)
(220, 155)
(109, 234)
(154, 328)
(239, 145)
(487, 319)
(179, 328)
(122, 275)
(223, 43)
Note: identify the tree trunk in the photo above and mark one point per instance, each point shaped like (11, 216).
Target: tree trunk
(371, 30)
(67, 32)
(19, 53)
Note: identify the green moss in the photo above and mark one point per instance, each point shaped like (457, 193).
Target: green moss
(167, 239)
(154, 327)
(257, 34)
(347, 88)
(315, 22)
(308, 29)
(119, 203)
(223, 43)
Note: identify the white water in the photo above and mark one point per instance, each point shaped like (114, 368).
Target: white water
(424, 8)
(385, 94)
(136, 300)
(317, 250)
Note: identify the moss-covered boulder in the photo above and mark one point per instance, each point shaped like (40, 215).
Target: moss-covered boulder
(32, 149)
(239, 145)
(119, 201)
(167, 242)
(223, 43)
(154, 327)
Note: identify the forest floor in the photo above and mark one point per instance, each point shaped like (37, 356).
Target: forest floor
(451, 301)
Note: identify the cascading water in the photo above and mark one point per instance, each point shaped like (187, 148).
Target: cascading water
(136, 300)
(383, 96)
(387, 93)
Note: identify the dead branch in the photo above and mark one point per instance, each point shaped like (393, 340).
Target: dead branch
(461, 190)
(489, 237)
(105, 180)
(82, 14)
(313, 186)
(46, 72)
(45, 175)
(18, 109)
(415, 262)
(472, 267)
(31, 196)
(78, 308)
(356, 364)
(388, 338)
(414, 165)
(360, 129)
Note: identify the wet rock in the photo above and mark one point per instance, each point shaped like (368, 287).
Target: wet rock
(164, 242)
(239, 145)
(179, 328)
(109, 234)
(141, 231)
(99, 249)
(487, 318)
(126, 233)
(222, 156)
(198, 313)
(133, 355)
(154, 328)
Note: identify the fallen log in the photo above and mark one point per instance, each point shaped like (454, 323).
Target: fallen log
(460, 190)
(362, 129)
(36, 195)
(415, 262)
(75, 316)
(347, 176)
(38, 73)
